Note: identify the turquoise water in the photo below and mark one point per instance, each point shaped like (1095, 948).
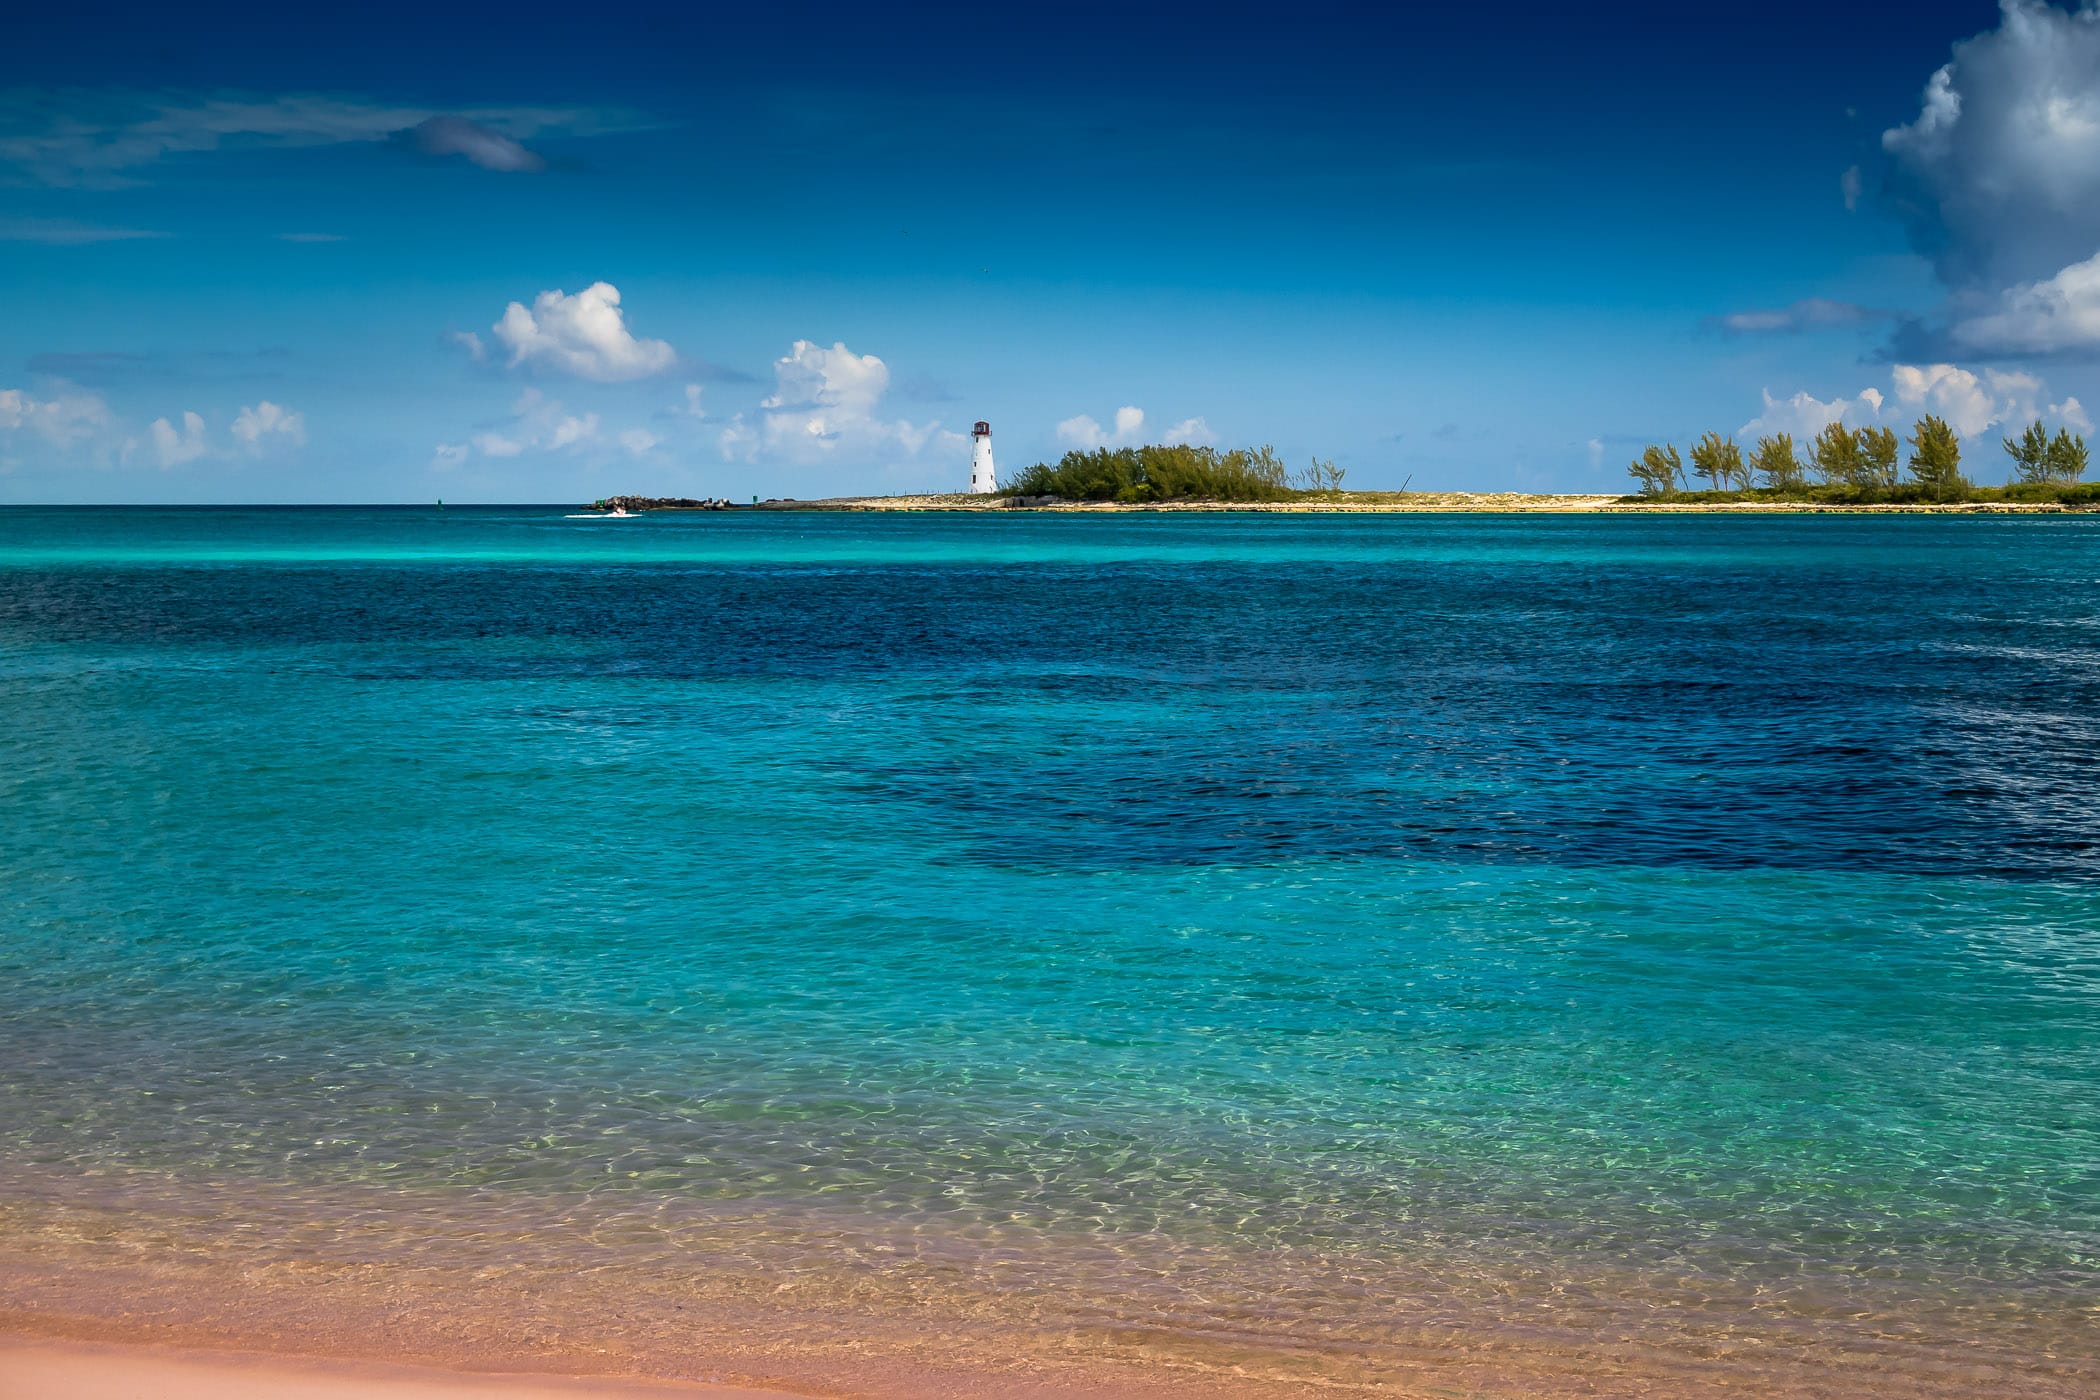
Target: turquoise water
(1699, 908)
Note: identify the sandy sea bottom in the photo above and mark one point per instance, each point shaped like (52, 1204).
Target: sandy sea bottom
(836, 1306)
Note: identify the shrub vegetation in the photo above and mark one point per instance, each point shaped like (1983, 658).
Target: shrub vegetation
(1859, 466)
(1174, 473)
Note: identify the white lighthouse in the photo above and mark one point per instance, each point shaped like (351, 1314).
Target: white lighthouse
(982, 482)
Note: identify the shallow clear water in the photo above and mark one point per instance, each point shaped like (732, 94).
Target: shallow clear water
(1381, 902)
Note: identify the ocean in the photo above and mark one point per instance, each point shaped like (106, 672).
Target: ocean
(1281, 950)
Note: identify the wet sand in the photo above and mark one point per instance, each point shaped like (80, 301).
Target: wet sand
(139, 1312)
(38, 1369)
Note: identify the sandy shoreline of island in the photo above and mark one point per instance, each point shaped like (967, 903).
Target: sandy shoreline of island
(1403, 503)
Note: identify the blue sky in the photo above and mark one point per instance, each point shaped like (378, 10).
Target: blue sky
(270, 254)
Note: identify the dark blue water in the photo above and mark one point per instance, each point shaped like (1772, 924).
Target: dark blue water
(1346, 907)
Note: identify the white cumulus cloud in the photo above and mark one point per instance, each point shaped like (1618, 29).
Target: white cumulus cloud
(1973, 402)
(64, 418)
(1128, 430)
(261, 425)
(80, 426)
(1969, 401)
(2056, 313)
(1804, 415)
(1085, 430)
(1999, 176)
(2005, 150)
(537, 424)
(825, 403)
(584, 334)
(175, 446)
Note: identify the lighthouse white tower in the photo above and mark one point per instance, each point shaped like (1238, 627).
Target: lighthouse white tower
(982, 482)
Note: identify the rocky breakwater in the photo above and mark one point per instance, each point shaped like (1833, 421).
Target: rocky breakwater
(639, 503)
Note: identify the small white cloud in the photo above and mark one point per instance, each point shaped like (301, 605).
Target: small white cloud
(2072, 414)
(1805, 415)
(1082, 430)
(912, 438)
(737, 439)
(66, 418)
(1849, 187)
(692, 408)
(1085, 431)
(537, 424)
(638, 440)
(310, 238)
(263, 424)
(584, 334)
(1595, 447)
(471, 343)
(570, 431)
(174, 447)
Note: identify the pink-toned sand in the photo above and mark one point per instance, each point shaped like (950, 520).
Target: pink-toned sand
(32, 1369)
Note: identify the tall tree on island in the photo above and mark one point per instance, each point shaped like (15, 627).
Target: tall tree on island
(1720, 461)
(1877, 453)
(2066, 457)
(1935, 458)
(2030, 454)
(1658, 470)
(1775, 461)
(1837, 456)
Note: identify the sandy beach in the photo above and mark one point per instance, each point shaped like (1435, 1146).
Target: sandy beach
(1422, 502)
(159, 1305)
(39, 1369)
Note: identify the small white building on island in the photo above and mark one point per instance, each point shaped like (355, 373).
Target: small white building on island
(982, 479)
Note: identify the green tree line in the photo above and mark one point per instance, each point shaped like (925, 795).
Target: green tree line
(1174, 472)
(1863, 463)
